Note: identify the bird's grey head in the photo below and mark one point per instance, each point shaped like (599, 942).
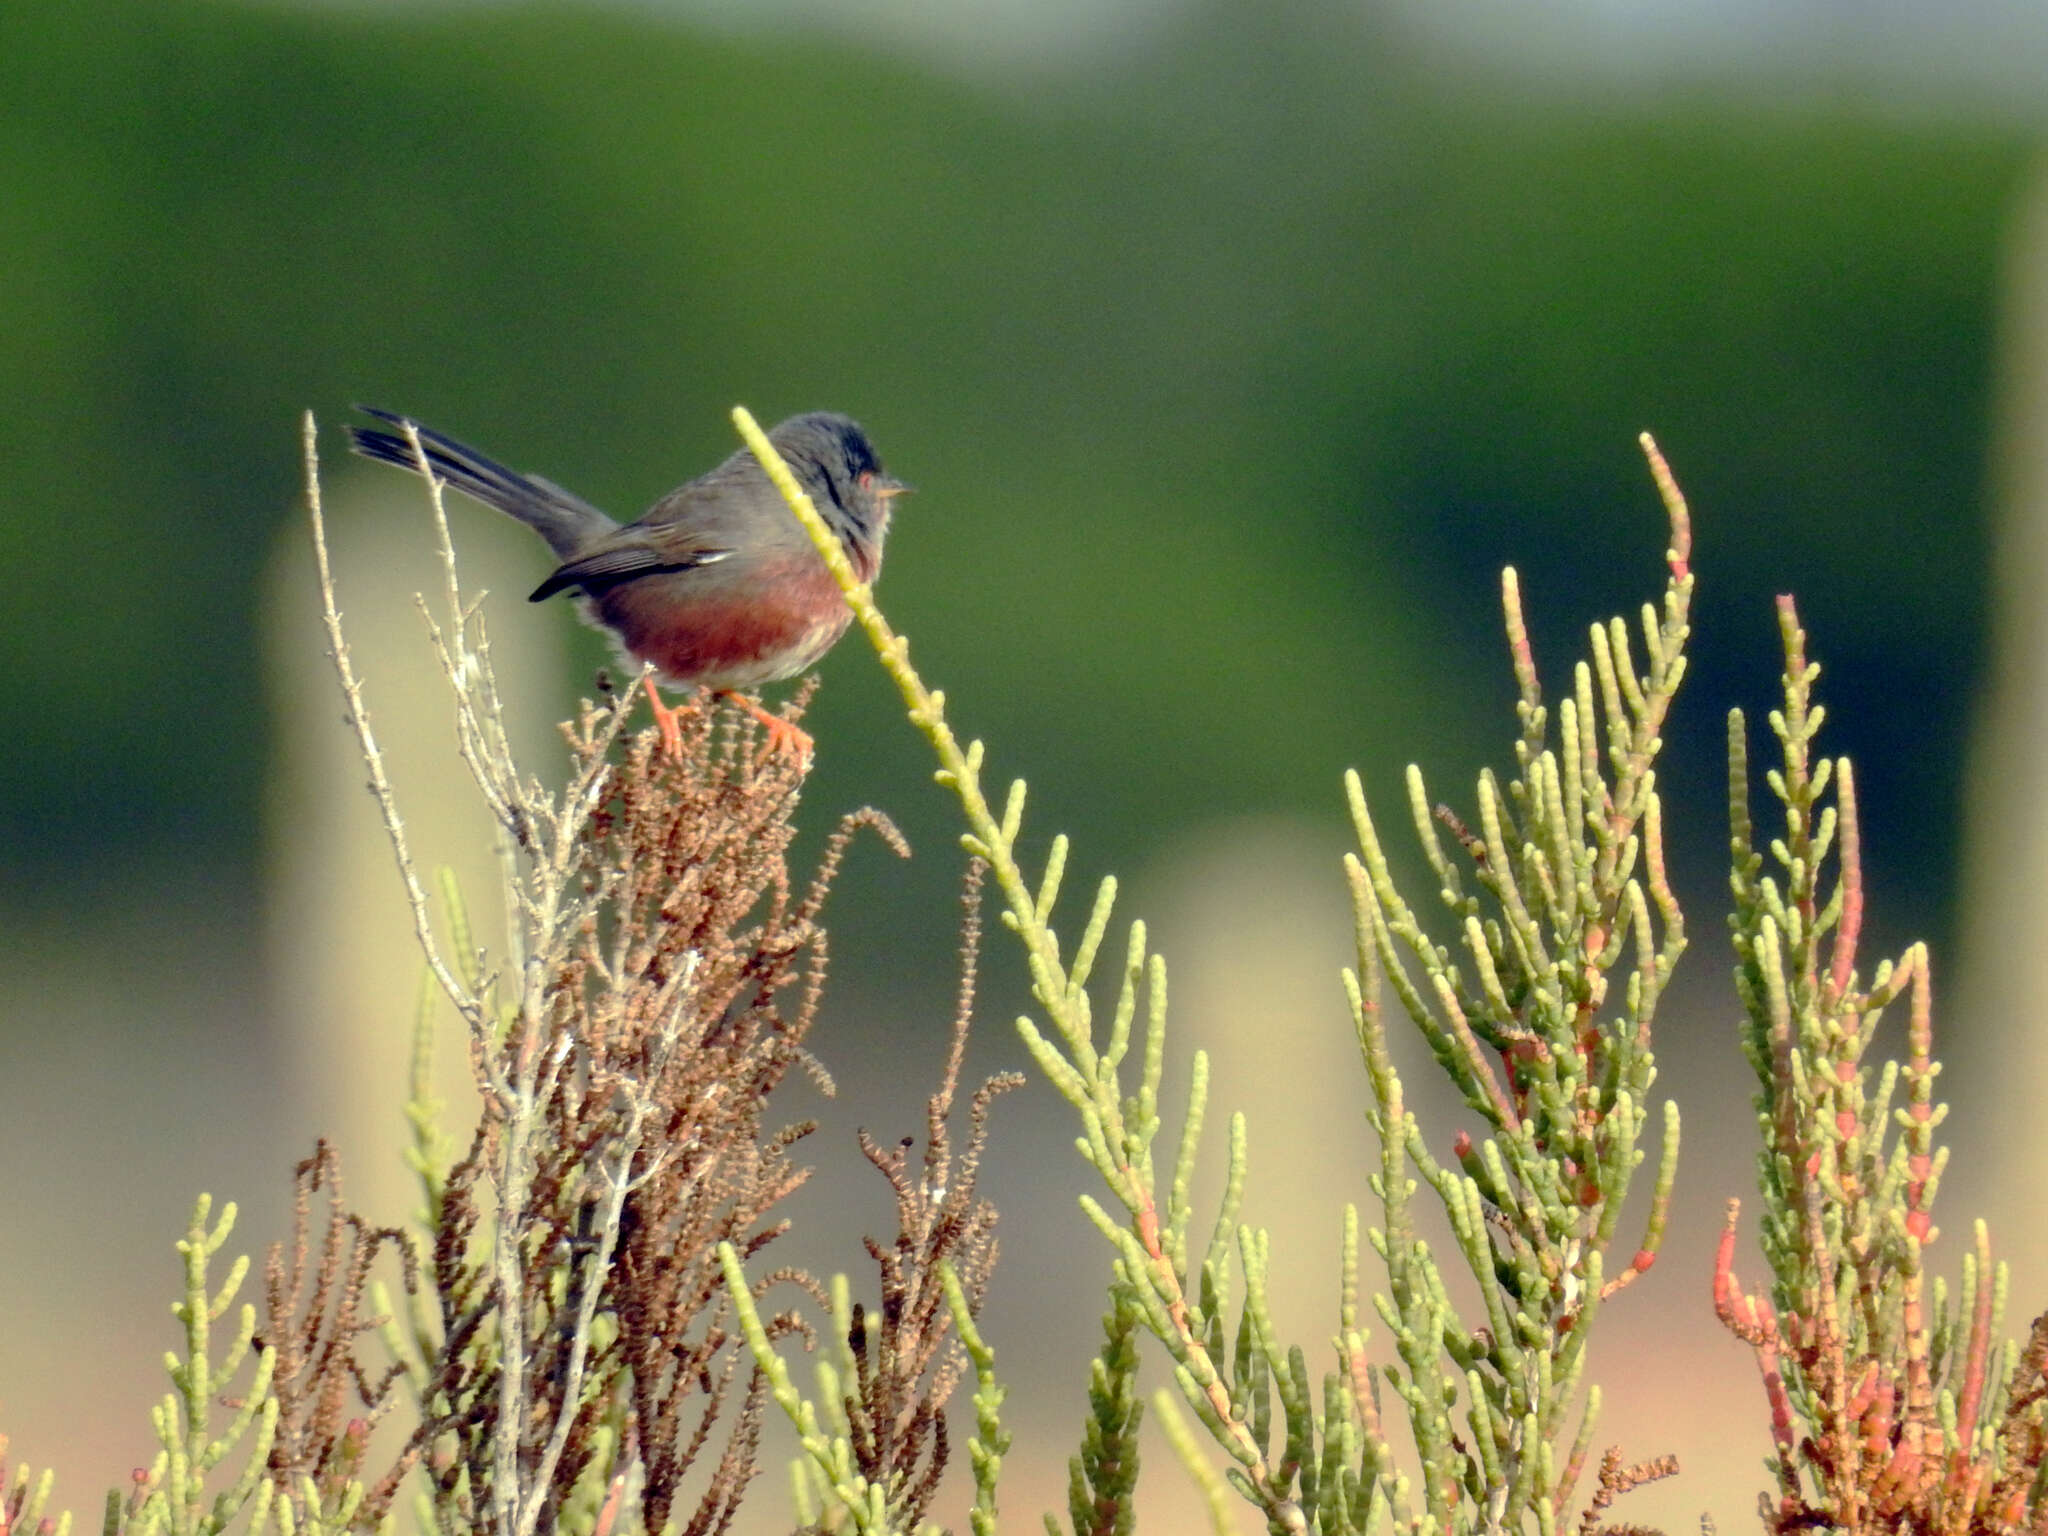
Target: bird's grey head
(840, 469)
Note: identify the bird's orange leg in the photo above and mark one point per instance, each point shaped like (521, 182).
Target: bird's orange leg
(665, 717)
(784, 736)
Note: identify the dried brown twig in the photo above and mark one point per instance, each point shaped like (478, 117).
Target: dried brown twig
(660, 978)
(329, 1400)
(905, 1360)
(1616, 1480)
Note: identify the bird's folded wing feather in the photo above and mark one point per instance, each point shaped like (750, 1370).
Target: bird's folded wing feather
(625, 559)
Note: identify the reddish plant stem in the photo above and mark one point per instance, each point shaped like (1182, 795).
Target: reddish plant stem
(1842, 969)
(1976, 1356)
(1751, 1319)
(1146, 1215)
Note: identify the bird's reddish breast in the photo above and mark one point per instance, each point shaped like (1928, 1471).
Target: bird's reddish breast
(728, 628)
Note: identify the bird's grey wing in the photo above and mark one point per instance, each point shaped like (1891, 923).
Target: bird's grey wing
(626, 556)
(731, 507)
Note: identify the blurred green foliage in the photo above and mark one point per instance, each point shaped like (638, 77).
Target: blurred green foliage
(1281, 306)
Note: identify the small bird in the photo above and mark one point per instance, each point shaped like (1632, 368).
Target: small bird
(717, 584)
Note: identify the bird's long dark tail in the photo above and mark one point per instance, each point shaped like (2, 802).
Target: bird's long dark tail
(567, 522)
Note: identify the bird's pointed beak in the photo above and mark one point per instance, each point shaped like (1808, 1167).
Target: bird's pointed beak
(886, 486)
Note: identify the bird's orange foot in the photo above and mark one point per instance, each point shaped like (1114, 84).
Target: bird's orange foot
(665, 717)
(785, 737)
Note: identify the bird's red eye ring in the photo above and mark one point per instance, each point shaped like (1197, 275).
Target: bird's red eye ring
(867, 479)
